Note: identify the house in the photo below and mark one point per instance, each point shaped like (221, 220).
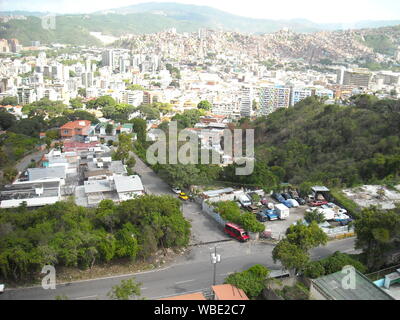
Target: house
(98, 190)
(37, 174)
(337, 286)
(75, 128)
(33, 193)
(128, 187)
(126, 128)
(228, 292)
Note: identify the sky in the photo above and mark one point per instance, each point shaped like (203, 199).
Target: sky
(320, 11)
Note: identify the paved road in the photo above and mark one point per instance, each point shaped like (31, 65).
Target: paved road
(191, 272)
(26, 161)
(204, 229)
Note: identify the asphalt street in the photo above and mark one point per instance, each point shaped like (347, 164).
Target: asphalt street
(191, 272)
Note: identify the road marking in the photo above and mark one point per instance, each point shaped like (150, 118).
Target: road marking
(180, 282)
(87, 297)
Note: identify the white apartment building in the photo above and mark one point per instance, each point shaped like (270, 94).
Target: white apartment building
(298, 94)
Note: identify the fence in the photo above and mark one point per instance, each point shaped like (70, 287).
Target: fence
(210, 211)
(381, 273)
(339, 232)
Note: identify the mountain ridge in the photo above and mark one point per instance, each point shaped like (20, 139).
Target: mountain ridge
(212, 18)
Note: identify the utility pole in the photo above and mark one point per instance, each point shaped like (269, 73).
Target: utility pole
(215, 258)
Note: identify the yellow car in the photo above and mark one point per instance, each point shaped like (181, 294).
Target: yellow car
(183, 196)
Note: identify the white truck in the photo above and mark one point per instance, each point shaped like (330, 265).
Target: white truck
(282, 211)
(244, 200)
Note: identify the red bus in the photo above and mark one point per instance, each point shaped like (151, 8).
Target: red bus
(236, 232)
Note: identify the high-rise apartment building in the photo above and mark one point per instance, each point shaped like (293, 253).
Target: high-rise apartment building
(357, 77)
(246, 97)
(273, 97)
(107, 58)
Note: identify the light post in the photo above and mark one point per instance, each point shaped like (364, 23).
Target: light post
(215, 258)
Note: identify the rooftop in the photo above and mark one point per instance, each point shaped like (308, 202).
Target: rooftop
(331, 287)
(128, 183)
(228, 292)
(46, 173)
(77, 124)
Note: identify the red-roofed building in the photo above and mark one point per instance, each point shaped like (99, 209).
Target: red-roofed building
(75, 128)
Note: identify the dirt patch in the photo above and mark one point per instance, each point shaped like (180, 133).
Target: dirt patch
(374, 195)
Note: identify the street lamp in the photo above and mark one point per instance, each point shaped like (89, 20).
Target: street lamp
(215, 258)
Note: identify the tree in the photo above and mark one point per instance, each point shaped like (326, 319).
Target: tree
(76, 103)
(204, 105)
(126, 290)
(13, 101)
(306, 237)
(314, 215)
(180, 175)
(251, 281)
(101, 102)
(139, 127)
(292, 257)
(135, 87)
(377, 233)
(82, 92)
(9, 174)
(7, 120)
(109, 129)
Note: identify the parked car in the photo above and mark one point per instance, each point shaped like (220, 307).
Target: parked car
(2, 288)
(294, 203)
(286, 196)
(252, 208)
(278, 197)
(317, 203)
(281, 199)
(176, 190)
(301, 201)
(183, 196)
(261, 216)
(264, 202)
(236, 232)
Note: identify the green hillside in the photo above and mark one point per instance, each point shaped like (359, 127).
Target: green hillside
(334, 145)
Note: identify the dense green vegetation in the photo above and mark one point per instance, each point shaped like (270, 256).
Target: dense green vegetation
(65, 234)
(378, 235)
(330, 144)
(251, 281)
(229, 211)
(14, 146)
(332, 264)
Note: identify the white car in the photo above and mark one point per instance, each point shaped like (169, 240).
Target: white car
(176, 190)
(1, 288)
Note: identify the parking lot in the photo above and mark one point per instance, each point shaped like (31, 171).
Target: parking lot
(278, 227)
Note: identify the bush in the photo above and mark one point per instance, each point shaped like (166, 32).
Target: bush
(314, 270)
(251, 281)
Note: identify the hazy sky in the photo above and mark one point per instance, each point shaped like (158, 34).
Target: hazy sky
(326, 11)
